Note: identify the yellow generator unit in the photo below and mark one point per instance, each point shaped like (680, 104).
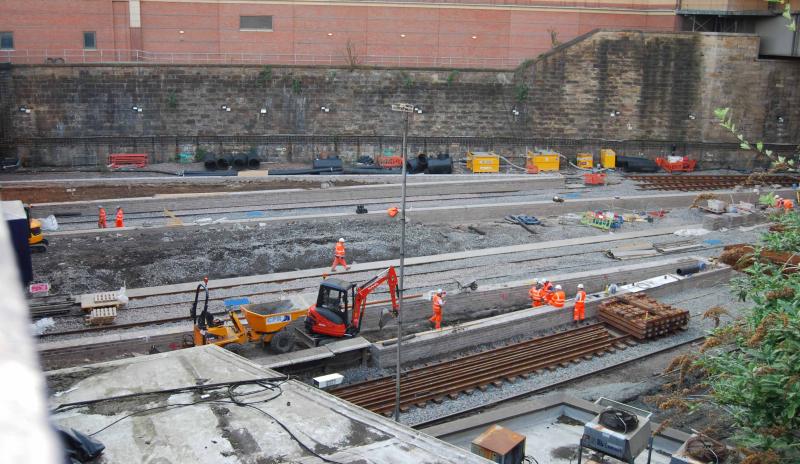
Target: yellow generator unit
(482, 161)
(608, 158)
(545, 161)
(585, 160)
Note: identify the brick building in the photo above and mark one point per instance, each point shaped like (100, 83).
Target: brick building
(448, 33)
(499, 32)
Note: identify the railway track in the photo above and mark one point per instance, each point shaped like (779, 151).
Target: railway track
(689, 183)
(464, 375)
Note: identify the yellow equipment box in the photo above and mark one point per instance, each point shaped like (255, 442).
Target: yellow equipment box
(481, 161)
(585, 160)
(608, 158)
(545, 161)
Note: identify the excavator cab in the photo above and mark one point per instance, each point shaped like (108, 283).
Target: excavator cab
(334, 304)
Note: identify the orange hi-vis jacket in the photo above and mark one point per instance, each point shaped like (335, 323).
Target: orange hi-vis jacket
(438, 302)
(558, 299)
(536, 295)
(339, 252)
(580, 297)
(120, 218)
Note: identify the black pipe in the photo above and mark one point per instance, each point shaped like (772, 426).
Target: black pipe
(689, 270)
(239, 161)
(440, 164)
(418, 164)
(330, 162)
(210, 161)
(223, 162)
(294, 172)
(371, 171)
(253, 162)
(208, 173)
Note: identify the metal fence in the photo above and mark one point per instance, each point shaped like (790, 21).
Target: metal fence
(81, 56)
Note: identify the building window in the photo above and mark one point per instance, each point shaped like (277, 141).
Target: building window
(255, 23)
(6, 40)
(89, 40)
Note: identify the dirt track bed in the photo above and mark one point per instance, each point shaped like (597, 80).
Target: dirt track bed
(45, 194)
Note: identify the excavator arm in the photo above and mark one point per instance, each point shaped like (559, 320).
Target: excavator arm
(362, 292)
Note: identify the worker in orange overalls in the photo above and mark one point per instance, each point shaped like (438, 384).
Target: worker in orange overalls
(338, 256)
(535, 293)
(546, 291)
(578, 313)
(438, 303)
(120, 218)
(558, 298)
(101, 217)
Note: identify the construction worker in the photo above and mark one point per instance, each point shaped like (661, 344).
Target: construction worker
(547, 290)
(578, 313)
(536, 294)
(101, 217)
(338, 256)
(393, 211)
(120, 218)
(438, 303)
(558, 298)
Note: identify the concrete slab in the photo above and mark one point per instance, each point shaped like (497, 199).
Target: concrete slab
(296, 357)
(352, 344)
(191, 416)
(731, 220)
(524, 322)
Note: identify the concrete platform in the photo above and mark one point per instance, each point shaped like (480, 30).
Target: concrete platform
(525, 322)
(307, 356)
(552, 426)
(283, 420)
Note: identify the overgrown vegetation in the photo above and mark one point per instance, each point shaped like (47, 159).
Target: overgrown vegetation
(751, 367)
(554, 38)
(407, 80)
(351, 55)
(779, 163)
(451, 78)
(297, 85)
(521, 92)
(264, 76)
(172, 100)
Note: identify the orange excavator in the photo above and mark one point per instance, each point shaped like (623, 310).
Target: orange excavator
(340, 305)
(337, 314)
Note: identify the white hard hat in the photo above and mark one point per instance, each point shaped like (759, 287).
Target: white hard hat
(544, 279)
(438, 290)
(558, 287)
(580, 285)
(341, 240)
(535, 280)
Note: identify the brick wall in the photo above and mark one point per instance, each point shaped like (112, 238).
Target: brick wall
(565, 98)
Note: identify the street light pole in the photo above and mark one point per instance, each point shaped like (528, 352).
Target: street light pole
(407, 110)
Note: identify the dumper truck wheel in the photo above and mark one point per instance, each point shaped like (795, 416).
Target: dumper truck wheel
(236, 348)
(283, 341)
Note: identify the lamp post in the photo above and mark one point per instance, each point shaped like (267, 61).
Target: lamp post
(406, 109)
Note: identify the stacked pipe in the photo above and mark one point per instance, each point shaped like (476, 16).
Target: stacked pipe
(643, 317)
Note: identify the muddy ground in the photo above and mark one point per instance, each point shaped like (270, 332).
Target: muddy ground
(86, 263)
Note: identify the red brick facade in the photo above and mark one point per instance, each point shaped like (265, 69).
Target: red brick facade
(501, 32)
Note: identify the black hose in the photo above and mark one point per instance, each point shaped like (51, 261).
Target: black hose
(253, 162)
(224, 162)
(689, 270)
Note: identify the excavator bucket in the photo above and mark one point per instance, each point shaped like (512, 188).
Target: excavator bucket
(386, 316)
